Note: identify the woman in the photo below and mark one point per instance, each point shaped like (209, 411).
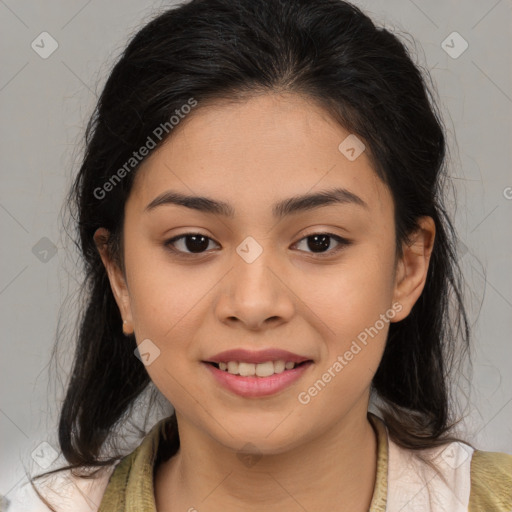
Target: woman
(260, 213)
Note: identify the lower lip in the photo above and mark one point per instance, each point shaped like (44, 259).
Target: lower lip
(258, 386)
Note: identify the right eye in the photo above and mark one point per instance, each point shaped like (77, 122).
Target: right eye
(196, 243)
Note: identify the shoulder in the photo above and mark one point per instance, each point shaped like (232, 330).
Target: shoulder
(67, 492)
(451, 477)
(491, 481)
(107, 489)
(132, 480)
(436, 479)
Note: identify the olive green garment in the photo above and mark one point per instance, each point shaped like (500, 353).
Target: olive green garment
(131, 485)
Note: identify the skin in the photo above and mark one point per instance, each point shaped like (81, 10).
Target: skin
(320, 455)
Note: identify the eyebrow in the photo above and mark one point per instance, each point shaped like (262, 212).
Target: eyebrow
(281, 209)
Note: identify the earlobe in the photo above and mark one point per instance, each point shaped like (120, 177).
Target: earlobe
(412, 268)
(116, 278)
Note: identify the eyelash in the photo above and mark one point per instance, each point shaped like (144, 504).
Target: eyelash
(342, 241)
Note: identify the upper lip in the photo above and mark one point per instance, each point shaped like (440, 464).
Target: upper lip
(260, 356)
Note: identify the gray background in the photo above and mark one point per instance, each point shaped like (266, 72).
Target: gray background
(45, 104)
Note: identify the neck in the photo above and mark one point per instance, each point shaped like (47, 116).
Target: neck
(336, 470)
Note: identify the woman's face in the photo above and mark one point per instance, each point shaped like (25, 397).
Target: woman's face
(259, 279)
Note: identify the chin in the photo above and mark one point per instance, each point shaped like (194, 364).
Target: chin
(256, 440)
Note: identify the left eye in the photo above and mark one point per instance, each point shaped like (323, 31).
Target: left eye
(321, 241)
(196, 243)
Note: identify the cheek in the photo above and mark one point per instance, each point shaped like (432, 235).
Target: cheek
(353, 308)
(165, 297)
(350, 296)
(168, 304)
(355, 313)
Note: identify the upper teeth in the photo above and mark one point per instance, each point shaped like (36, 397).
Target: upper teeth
(260, 369)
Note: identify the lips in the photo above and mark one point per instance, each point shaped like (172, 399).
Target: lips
(256, 357)
(253, 387)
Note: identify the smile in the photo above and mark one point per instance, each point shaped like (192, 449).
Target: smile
(260, 370)
(251, 380)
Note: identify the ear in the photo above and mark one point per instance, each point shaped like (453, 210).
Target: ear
(116, 278)
(412, 267)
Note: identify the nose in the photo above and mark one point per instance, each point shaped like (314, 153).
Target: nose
(255, 293)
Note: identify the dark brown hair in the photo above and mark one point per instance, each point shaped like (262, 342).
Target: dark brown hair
(365, 78)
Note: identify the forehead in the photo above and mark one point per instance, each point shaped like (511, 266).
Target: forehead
(256, 151)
